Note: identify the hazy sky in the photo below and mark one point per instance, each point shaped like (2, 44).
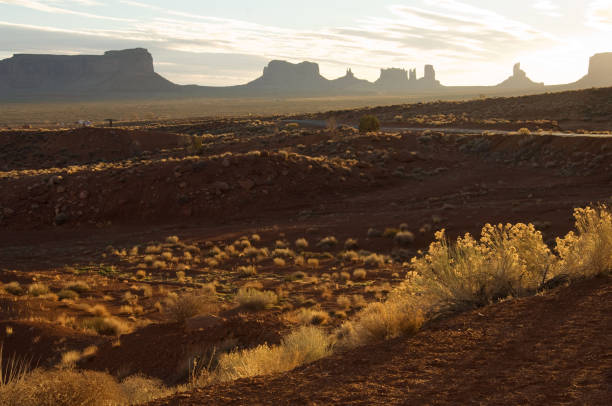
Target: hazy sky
(230, 41)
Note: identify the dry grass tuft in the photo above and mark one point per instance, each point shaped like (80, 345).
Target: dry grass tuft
(305, 345)
(359, 274)
(38, 289)
(382, 321)
(192, 304)
(110, 326)
(253, 299)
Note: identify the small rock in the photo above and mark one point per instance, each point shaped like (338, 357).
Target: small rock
(61, 218)
(83, 195)
(60, 189)
(226, 163)
(246, 184)
(8, 211)
(220, 186)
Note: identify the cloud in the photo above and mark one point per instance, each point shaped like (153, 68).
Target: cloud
(599, 15)
(453, 35)
(43, 7)
(547, 7)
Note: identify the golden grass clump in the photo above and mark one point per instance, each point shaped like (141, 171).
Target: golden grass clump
(359, 274)
(38, 289)
(404, 237)
(374, 260)
(301, 244)
(379, 321)
(14, 288)
(78, 286)
(64, 387)
(253, 299)
(110, 326)
(192, 304)
(328, 242)
(67, 294)
(70, 387)
(279, 262)
(306, 344)
(314, 317)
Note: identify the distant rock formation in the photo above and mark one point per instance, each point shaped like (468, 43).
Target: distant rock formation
(600, 71)
(392, 79)
(289, 77)
(349, 83)
(519, 80)
(129, 70)
(396, 80)
(130, 73)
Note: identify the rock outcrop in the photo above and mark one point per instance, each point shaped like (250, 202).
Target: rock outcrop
(116, 71)
(519, 80)
(401, 80)
(600, 71)
(349, 83)
(288, 77)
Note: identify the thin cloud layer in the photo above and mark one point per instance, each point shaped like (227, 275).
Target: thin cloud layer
(461, 39)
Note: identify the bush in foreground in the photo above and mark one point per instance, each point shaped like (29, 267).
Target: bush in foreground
(508, 260)
(369, 123)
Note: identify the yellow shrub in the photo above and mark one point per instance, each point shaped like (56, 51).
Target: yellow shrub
(588, 251)
(508, 260)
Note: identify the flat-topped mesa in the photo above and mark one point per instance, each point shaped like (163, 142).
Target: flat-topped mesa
(519, 80)
(600, 70)
(126, 70)
(282, 72)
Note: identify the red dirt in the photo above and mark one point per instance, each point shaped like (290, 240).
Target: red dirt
(552, 349)
(304, 183)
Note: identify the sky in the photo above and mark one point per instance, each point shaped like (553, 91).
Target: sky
(218, 43)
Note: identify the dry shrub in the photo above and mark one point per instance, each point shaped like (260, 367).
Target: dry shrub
(374, 260)
(253, 299)
(192, 304)
(301, 244)
(99, 310)
(14, 288)
(279, 262)
(305, 345)
(404, 237)
(139, 389)
(110, 326)
(588, 251)
(359, 274)
(38, 289)
(285, 253)
(351, 244)
(79, 287)
(328, 242)
(313, 262)
(378, 321)
(310, 316)
(63, 388)
(508, 260)
(344, 301)
(69, 387)
(173, 239)
(249, 270)
(67, 294)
